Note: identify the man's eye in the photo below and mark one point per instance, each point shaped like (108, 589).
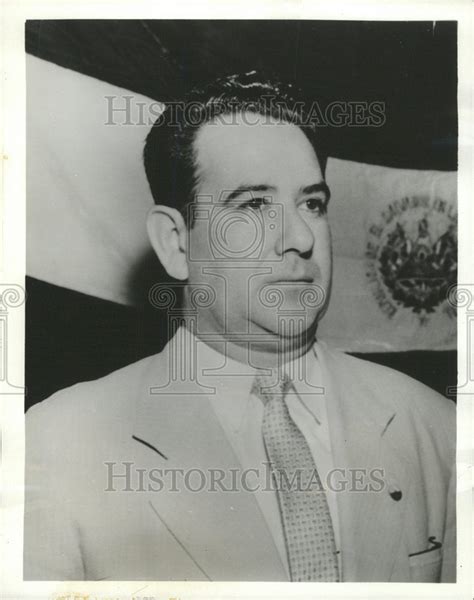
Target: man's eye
(255, 203)
(315, 205)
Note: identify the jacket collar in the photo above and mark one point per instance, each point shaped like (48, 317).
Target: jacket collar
(361, 424)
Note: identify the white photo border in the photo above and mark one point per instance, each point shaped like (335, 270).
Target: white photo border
(12, 265)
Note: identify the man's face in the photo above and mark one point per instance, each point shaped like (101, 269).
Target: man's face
(260, 237)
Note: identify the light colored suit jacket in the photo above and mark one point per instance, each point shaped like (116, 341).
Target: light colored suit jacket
(379, 419)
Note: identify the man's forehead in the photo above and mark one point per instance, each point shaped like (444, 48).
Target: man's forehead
(251, 145)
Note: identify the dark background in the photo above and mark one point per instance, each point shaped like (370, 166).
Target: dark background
(411, 66)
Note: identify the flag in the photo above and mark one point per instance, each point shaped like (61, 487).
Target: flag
(394, 230)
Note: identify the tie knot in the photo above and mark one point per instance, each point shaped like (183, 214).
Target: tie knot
(268, 387)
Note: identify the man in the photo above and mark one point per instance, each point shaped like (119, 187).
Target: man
(246, 450)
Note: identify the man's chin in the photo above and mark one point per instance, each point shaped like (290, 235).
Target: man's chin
(291, 326)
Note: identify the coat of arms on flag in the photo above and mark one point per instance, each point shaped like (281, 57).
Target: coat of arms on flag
(395, 258)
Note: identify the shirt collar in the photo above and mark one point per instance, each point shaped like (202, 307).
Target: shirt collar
(227, 375)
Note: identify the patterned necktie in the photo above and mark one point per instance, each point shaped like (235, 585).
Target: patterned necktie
(307, 524)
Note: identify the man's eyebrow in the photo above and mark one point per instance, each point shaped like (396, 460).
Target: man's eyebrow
(316, 187)
(242, 189)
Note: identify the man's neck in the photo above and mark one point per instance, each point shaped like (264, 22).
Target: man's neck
(273, 353)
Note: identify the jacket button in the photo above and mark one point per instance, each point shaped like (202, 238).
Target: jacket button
(395, 494)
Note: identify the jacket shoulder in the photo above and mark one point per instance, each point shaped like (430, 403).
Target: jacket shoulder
(110, 398)
(392, 387)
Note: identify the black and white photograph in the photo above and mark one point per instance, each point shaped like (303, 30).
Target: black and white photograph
(241, 300)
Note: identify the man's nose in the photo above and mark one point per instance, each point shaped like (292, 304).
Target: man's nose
(294, 234)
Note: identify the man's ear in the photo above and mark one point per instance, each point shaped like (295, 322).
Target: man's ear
(167, 233)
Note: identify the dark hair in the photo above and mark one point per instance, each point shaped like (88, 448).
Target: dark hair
(169, 154)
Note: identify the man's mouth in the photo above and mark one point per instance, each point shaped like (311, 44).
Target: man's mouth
(293, 279)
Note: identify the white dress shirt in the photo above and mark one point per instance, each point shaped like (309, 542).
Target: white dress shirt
(240, 414)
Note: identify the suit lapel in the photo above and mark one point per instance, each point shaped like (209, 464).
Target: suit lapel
(371, 522)
(223, 532)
